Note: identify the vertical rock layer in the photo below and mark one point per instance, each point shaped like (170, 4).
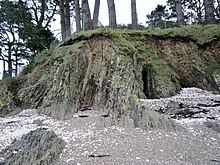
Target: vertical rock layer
(111, 70)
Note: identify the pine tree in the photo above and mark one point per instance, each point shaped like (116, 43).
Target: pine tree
(134, 17)
(179, 13)
(159, 17)
(96, 14)
(77, 16)
(209, 11)
(13, 26)
(86, 16)
(112, 14)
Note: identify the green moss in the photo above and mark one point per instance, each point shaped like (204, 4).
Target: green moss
(147, 66)
(198, 33)
(27, 69)
(6, 92)
(5, 101)
(214, 69)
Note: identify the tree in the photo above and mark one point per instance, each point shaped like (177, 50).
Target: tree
(159, 17)
(177, 8)
(2, 58)
(179, 13)
(86, 16)
(96, 14)
(194, 11)
(43, 13)
(77, 16)
(134, 15)
(65, 18)
(36, 39)
(218, 10)
(195, 8)
(112, 14)
(62, 20)
(12, 27)
(22, 36)
(209, 11)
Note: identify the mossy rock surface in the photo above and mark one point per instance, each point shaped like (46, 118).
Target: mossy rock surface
(9, 100)
(104, 68)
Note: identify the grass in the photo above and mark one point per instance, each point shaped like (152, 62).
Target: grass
(200, 34)
(129, 42)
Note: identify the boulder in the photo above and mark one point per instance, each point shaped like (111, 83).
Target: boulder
(37, 147)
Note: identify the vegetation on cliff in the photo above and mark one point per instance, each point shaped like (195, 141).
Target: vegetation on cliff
(110, 70)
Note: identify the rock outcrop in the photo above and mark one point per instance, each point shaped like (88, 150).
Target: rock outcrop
(190, 61)
(111, 70)
(36, 147)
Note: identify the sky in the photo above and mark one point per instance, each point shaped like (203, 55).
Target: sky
(123, 10)
(123, 13)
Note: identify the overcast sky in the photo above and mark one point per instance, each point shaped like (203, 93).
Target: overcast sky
(123, 12)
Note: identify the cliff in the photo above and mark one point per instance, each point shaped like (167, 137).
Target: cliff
(111, 70)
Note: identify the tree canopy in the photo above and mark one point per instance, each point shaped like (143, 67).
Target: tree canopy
(20, 38)
(180, 12)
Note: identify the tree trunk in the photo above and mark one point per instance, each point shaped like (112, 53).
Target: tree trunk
(134, 15)
(42, 14)
(199, 12)
(218, 10)
(4, 70)
(3, 60)
(77, 11)
(62, 19)
(86, 16)
(16, 66)
(112, 14)
(96, 14)
(209, 12)
(10, 61)
(179, 13)
(67, 17)
(4, 66)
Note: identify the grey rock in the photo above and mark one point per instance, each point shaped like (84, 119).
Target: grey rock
(213, 125)
(36, 147)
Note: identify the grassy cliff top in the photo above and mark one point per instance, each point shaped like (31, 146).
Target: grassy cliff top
(127, 39)
(199, 34)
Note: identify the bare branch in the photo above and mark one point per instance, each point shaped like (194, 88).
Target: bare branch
(42, 12)
(51, 17)
(35, 12)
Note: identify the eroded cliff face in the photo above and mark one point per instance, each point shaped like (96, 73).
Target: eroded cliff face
(190, 61)
(111, 71)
